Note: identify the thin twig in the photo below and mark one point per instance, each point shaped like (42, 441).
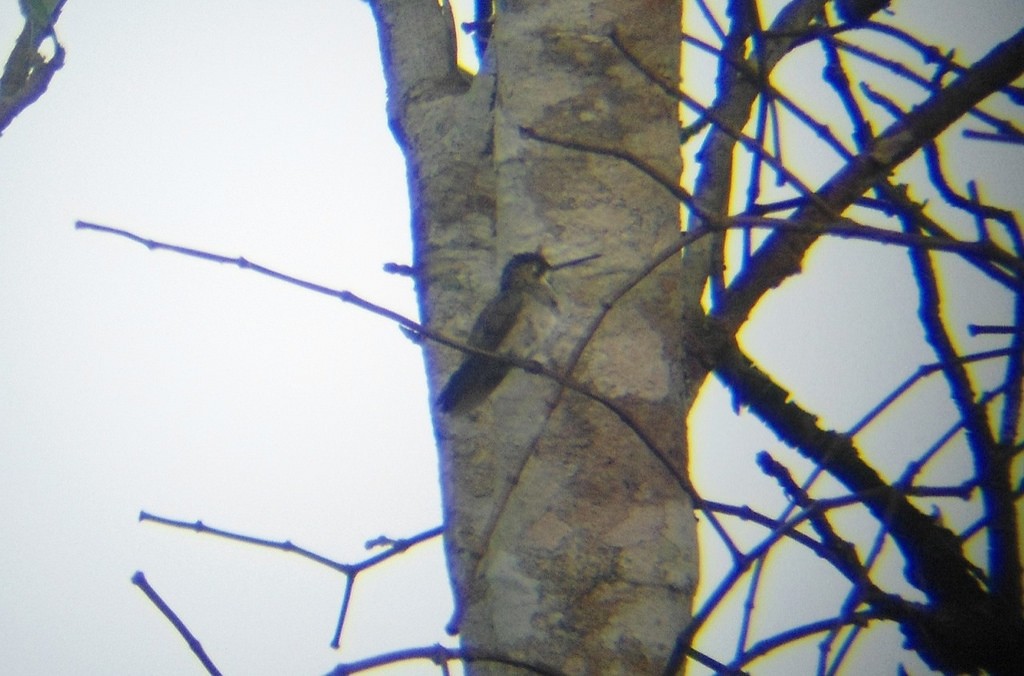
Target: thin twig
(139, 580)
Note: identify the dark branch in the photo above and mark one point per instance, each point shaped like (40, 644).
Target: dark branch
(139, 580)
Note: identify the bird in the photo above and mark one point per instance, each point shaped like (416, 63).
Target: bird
(514, 322)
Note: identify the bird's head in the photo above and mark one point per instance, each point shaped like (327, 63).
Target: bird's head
(527, 272)
(524, 270)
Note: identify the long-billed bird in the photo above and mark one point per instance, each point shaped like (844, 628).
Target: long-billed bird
(515, 322)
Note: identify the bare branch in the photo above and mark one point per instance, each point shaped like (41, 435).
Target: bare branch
(781, 255)
(139, 580)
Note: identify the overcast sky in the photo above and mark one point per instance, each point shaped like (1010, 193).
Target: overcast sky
(135, 380)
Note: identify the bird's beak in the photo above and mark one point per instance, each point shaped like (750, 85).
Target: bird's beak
(576, 261)
(545, 293)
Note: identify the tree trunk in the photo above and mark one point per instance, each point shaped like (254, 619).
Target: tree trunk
(570, 544)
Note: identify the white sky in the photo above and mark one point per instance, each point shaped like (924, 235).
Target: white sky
(135, 380)
(147, 381)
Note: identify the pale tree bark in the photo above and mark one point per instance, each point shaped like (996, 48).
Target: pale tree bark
(569, 522)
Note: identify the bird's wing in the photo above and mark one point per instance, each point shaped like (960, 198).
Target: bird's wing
(496, 321)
